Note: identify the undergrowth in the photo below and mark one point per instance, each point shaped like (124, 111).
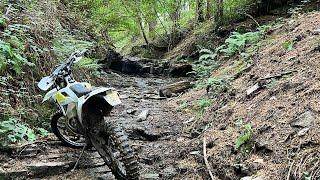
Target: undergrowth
(243, 142)
(32, 43)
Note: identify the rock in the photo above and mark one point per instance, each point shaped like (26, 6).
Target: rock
(143, 115)
(264, 146)
(169, 171)
(195, 153)
(241, 169)
(143, 66)
(49, 168)
(124, 96)
(303, 132)
(143, 133)
(180, 70)
(131, 111)
(107, 176)
(259, 161)
(253, 89)
(306, 119)
(150, 176)
(189, 121)
(253, 178)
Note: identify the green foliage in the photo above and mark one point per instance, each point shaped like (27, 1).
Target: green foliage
(42, 132)
(88, 63)
(183, 105)
(237, 42)
(3, 21)
(11, 58)
(206, 63)
(288, 45)
(272, 84)
(203, 104)
(217, 85)
(244, 139)
(12, 131)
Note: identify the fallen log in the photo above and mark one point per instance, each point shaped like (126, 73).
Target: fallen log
(177, 87)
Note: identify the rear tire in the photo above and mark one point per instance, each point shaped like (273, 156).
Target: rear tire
(126, 167)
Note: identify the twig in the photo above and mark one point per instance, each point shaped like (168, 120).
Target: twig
(278, 75)
(8, 10)
(290, 169)
(205, 158)
(75, 166)
(252, 19)
(140, 145)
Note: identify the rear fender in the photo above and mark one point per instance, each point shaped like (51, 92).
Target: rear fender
(99, 98)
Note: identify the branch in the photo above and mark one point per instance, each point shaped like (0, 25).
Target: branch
(252, 19)
(205, 158)
(8, 10)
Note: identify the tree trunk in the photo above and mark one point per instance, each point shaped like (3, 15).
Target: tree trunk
(142, 30)
(175, 15)
(218, 17)
(199, 11)
(152, 27)
(209, 10)
(174, 88)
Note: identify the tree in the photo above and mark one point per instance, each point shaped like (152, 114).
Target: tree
(209, 10)
(199, 11)
(218, 16)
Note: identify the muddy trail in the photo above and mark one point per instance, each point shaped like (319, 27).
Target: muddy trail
(154, 128)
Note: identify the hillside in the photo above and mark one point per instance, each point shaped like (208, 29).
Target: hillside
(278, 97)
(250, 109)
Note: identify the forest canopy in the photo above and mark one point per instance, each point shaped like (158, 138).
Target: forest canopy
(142, 21)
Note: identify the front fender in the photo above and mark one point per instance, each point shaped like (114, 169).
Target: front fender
(49, 94)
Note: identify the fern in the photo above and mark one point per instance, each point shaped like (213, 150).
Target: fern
(244, 137)
(237, 42)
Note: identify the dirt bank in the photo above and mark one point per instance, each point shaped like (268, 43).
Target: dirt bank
(283, 110)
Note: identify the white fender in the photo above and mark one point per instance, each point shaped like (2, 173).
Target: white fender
(113, 101)
(49, 94)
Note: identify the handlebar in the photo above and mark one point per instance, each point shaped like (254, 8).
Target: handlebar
(76, 56)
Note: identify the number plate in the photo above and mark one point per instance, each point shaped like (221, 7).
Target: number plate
(112, 98)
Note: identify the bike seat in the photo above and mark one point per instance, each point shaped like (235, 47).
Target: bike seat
(80, 90)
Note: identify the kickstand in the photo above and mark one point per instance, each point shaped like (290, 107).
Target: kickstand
(75, 166)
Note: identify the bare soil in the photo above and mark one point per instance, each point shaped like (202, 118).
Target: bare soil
(284, 111)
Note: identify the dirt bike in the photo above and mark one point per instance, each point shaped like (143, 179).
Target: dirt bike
(81, 120)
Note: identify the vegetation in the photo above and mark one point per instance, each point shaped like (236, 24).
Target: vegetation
(36, 35)
(29, 48)
(244, 140)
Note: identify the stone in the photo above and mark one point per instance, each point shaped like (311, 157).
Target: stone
(259, 161)
(150, 176)
(303, 132)
(253, 178)
(169, 171)
(180, 70)
(143, 115)
(131, 111)
(253, 89)
(306, 119)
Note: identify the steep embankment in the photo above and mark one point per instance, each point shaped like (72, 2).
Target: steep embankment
(279, 97)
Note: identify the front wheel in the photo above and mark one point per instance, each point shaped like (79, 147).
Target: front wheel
(112, 145)
(66, 131)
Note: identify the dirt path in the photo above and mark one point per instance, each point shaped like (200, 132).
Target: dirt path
(158, 140)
